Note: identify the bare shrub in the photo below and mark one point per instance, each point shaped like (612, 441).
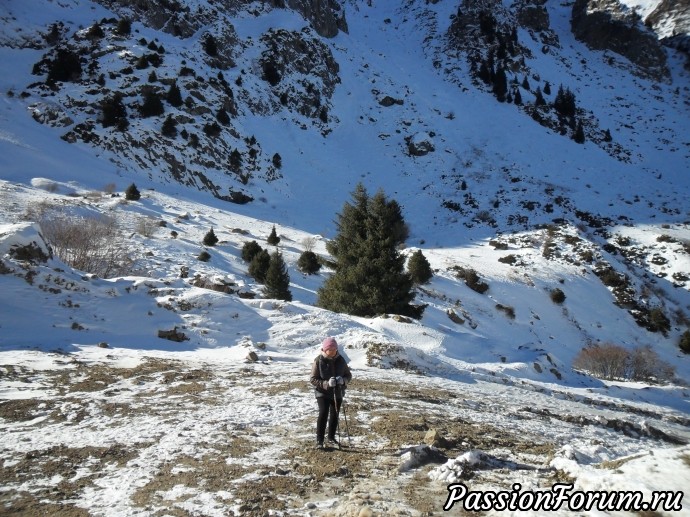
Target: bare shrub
(610, 361)
(646, 365)
(91, 244)
(110, 188)
(309, 243)
(607, 361)
(36, 212)
(147, 226)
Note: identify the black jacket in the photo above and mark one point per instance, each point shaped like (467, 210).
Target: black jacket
(323, 369)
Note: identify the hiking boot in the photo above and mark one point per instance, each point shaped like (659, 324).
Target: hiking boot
(333, 442)
(319, 445)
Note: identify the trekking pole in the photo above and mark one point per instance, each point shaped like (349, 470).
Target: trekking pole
(337, 416)
(347, 427)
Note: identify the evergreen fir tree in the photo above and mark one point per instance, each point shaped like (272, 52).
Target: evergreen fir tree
(65, 67)
(525, 83)
(308, 263)
(419, 268)
(223, 117)
(564, 103)
(142, 63)
(517, 99)
(132, 193)
(169, 128)
(152, 105)
(258, 267)
(124, 27)
(250, 250)
(235, 160)
(277, 161)
(484, 73)
(210, 238)
(547, 88)
(370, 276)
(579, 135)
(95, 32)
(277, 281)
(212, 130)
(174, 96)
(113, 111)
(539, 98)
(500, 84)
(273, 238)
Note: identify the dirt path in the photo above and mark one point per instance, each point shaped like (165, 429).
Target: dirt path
(172, 438)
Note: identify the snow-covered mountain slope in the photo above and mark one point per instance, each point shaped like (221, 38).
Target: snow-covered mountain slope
(394, 103)
(497, 184)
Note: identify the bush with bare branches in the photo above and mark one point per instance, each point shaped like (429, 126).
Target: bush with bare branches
(147, 226)
(92, 244)
(610, 361)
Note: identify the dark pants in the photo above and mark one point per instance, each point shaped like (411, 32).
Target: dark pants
(326, 408)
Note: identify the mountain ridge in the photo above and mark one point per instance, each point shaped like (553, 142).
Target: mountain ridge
(419, 123)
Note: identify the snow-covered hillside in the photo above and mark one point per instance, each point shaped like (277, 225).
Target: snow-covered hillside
(86, 377)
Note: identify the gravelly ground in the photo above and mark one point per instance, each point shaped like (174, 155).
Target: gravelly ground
(175, 438)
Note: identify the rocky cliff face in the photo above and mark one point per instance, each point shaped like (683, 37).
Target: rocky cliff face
(139, 102)
(671, 18)
(326, 17)
(608, 25)
(671, 21)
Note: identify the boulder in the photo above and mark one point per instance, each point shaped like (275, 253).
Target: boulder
(420, 144)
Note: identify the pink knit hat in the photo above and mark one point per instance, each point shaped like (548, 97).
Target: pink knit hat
(329, 344)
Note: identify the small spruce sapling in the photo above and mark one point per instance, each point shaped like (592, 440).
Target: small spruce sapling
(273, 238)
(210, 238)
(419, 268)
(132, 193)
(308, 263)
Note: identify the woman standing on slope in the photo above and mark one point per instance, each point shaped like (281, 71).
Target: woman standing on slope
(329, 376)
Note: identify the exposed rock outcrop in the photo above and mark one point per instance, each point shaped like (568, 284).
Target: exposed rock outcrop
(671, 21)
(533, 15)
(327, 17)
(309, 64)
(608, 25)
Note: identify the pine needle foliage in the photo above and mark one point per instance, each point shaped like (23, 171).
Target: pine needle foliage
(308, 263)
(277, 281)
(210, 239)
(370, 277)
(132, 193)
(258, 267)
(250, 250)
(273, 238)
(419, 268)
